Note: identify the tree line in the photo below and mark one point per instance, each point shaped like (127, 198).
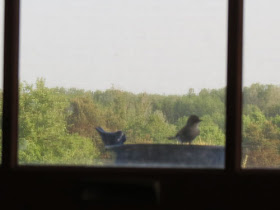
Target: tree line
(57, 125)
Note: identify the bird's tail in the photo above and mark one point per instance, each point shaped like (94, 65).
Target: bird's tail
(171, 137)
(100, 130)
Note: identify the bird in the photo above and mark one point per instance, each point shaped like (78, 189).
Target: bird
(111, 139)
(189, 132)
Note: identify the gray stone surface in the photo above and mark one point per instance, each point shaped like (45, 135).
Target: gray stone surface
(170, 155)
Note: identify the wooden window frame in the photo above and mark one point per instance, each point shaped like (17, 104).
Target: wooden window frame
(231, 187)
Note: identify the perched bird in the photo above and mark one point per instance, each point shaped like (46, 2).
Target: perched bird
(111, 139)
(190, 131)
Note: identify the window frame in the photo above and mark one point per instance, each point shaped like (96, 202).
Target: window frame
(230, 181)
(11, 85)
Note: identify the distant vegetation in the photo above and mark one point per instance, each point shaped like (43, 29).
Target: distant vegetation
(57, 125)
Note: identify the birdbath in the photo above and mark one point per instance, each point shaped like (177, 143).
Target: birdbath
(169, 155)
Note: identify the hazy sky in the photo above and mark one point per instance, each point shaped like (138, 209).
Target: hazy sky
(157, 46)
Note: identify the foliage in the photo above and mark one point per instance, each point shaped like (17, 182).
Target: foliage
(57, 125)
(43, 135)
(261, 121)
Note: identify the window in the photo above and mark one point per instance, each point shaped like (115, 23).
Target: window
(79, 187)
(134, 66)
(261, 91)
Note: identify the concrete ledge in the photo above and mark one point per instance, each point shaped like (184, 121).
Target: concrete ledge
(169, 155)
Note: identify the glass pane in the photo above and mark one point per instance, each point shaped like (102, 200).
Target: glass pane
(89, 69)
(261, 102)
(1, 69)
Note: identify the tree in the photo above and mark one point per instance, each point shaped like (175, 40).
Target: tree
(43, 136)
(210, 133)
(84, 116)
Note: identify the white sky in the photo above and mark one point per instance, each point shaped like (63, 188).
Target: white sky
(157, 46)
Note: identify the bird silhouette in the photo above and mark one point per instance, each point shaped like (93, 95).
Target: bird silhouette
(189, 132)
(111, 139)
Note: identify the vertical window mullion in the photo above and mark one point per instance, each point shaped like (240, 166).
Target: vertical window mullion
(10, 95)
(234, 86)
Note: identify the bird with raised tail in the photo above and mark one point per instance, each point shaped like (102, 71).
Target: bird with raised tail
(189, 132)
(111, 139)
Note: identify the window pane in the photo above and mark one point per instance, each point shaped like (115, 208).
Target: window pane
(142, 67)
(261, 105)
(1, 69)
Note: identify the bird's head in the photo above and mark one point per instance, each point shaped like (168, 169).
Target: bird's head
(193, 119)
